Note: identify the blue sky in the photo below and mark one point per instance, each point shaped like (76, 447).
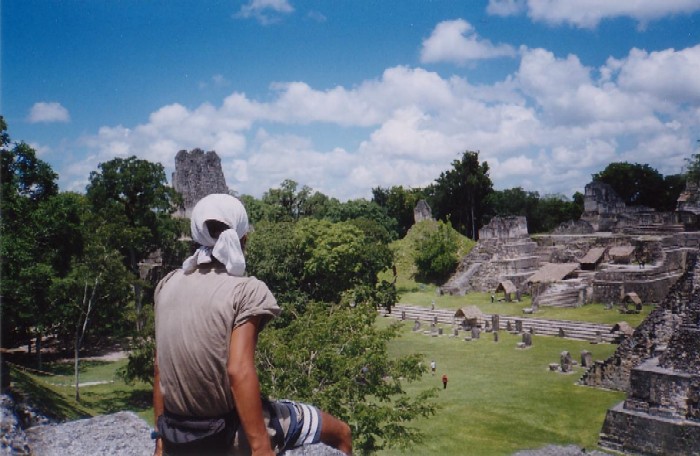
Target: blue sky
(347, 95)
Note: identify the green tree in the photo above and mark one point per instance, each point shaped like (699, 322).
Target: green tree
(459, 194)
(436, 256)
(637, 185)
(512, 201)
(674, 184)
(92, 296)
(337, 257)
(286, 203)
(26, 182)
(340, 363)
(692, 172)
(365, 210)
(399, 204)
(132, 197)
(543, 213)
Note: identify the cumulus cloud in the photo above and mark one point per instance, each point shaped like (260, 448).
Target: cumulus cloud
(457, 42)
(48, 112)
(589, 13)
(265, 11)
(547, 127)
(651, 73)
(506, 7)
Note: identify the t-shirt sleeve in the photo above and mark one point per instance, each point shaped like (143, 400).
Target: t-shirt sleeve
(255, 299)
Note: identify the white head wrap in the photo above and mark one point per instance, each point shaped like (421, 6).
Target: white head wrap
(227, 249)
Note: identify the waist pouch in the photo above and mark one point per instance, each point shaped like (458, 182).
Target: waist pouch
(193, 435)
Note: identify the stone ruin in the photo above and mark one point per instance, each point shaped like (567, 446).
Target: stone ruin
(422, 211)
(659, 367)
(504, 252)
(613, 251)
(197, 174)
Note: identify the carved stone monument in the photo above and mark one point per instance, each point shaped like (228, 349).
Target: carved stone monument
(422, 211)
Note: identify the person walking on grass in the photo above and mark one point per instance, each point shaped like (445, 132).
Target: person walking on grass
(206, 392)
(444, 381)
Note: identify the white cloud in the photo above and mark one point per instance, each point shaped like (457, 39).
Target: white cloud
(665, 75)
(546, 127)
(457, 42)
(43, 112)
(265, 11)
(506, 7)
(589, 13)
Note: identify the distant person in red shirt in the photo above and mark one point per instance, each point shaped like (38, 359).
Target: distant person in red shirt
(444, 381)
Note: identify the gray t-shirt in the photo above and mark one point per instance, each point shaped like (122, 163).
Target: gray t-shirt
(195, 314)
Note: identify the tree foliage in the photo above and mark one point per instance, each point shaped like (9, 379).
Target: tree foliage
(26, 270)
(638, 185)
(133, 199)
(436, 254)
(399, 204)
(459, 194)
(315, 258)
(692, 172)
(339, 362)
(543, 213)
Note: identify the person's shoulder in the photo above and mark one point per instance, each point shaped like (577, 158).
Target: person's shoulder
(254, 282)
(168, 277)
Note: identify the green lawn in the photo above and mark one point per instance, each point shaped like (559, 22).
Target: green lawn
(425, 295)
(56, 393)
(501, 399)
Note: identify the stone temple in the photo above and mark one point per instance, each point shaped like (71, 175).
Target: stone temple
(661, 414)
(197, 174)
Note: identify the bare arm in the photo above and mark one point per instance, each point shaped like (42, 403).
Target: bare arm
(157, 404)
(245, 385)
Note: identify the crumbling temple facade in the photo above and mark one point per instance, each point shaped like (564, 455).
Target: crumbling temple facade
(612, 251)
(659, 367)
(197, 174)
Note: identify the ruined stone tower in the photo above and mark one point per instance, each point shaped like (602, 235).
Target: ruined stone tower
(197, 174)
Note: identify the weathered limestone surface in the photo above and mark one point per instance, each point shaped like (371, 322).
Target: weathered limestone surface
(661, 414)
(647, 341)
(689, 200)
(197, 174)
(422, 211)
(122, 433)
(504, 252)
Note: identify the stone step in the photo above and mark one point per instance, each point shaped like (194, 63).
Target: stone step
(579, 330)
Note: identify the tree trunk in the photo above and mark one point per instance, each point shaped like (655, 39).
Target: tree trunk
(76, 363)
(38, 350)
(138, 295)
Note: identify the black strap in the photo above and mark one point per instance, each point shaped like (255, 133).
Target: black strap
(195, 435)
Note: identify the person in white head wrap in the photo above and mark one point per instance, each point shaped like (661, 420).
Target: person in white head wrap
(226, 247)
(206, 391)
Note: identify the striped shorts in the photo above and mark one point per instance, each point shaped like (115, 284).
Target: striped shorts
(289, 424)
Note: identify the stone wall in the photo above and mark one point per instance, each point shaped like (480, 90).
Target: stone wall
(650, 337)
(504, 228)
(602, 206)
(661, 414)
(197, 174)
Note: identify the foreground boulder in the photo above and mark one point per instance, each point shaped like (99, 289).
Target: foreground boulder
(122, 434)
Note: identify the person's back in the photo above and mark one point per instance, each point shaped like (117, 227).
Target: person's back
(195, 314)
(206, 392)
